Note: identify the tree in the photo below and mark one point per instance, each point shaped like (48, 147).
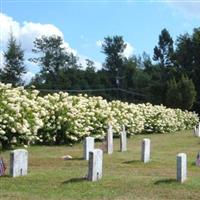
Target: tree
(113, 47)
(173, 96)
(164, 51)
(184, 53)
(146, 61)
(181, 94)
(14, 67)
(52, 57)
(187, 55)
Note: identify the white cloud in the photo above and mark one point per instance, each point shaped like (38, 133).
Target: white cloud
(188, 9)
(8, 25)
(28, 76)
(99, 43)
(26, 34)
(1, 59)
(128, 52)
(82, 61)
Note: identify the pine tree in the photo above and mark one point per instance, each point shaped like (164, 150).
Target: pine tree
(180, 94)
(173, 95)
(164, 51)
(14, 67)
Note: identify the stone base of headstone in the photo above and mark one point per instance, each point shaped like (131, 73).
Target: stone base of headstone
(145, 155)
(181, 160)
(95, 166)
(18, 162)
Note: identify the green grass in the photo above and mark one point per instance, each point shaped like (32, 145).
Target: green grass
(124, 176)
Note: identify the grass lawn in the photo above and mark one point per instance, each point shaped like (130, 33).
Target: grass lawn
(124, 176)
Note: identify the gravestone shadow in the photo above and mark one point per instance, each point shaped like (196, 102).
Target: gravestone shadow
(166, 181)
(132, 162)
(6, 176)
(80, 158)
(75, 180)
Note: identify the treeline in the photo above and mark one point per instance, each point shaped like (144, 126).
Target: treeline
(171, 77)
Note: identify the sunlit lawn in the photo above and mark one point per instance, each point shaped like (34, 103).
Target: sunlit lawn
(124, 176)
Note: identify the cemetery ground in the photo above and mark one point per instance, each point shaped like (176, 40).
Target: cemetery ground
(124, 175)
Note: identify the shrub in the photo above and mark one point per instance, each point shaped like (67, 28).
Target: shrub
(27, 118)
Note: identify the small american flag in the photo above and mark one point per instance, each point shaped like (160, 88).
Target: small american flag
(198, 159)
(2, 167)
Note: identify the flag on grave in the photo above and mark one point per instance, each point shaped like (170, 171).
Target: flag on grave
(2, 167)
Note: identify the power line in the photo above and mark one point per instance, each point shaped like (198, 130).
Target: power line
(134, 93)
(78, 90)
(131, 92)
(94, 90)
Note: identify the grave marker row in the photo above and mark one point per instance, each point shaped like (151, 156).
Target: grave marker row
(19, 157)
(89, 143)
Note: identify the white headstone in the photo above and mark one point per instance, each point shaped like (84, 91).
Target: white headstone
(88, 146)
(123, 140)
(95, 165)
(109, 140)
(145, 157)
(195, 130)
(198, 131)
(18, 162)
(181, 160)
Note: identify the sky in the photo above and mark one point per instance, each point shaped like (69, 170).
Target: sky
(83, 24)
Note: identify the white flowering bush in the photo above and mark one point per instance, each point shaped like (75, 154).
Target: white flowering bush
(20, 117)
(26, 117)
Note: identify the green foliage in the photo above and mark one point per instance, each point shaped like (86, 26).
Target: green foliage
(136, 79)
(113, 48)
(53, 57)
(164, 51)
(187, 56)
(14, 67)
(180, 94)
(61, 118)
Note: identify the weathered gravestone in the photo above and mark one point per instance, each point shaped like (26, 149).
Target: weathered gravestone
(198, 160)
(197, 130)
(145, 156)
(194, 131)
(123, 140)
(95, 166)
(18, 162)
(181, 160)
(109, 140)
(88, 146)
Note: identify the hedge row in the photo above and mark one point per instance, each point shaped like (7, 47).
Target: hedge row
(27, 118)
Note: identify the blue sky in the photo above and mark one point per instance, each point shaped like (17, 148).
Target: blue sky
(84, 23)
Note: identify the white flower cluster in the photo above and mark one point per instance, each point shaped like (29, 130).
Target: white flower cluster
(20, 117)
(26, 117)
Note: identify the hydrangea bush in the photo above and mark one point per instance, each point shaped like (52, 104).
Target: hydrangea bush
(26, 117)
